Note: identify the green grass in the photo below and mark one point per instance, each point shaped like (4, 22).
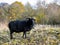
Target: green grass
(36, 37)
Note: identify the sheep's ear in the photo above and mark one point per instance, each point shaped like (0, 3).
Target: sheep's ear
(27, 18)
(34, 18)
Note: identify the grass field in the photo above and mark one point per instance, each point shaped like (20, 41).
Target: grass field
(40, 35)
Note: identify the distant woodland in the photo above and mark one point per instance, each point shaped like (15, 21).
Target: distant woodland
(44, 13)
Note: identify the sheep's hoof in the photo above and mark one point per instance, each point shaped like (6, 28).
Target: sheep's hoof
(24, 37)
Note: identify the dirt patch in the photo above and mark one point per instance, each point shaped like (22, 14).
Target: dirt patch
(3, 26)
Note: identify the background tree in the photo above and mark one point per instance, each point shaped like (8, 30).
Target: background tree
(29, 11)
(44, 13)
(15, 10)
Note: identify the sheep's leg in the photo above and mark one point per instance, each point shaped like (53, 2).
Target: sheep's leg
(11, 37)
(24, 34)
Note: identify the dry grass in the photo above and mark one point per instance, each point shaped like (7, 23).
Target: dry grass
(40, 35)
(3, 26)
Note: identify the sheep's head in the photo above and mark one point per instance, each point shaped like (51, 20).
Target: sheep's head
(30, 21)
(33, 19)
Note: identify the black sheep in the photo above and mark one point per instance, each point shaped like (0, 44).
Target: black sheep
(21, 26)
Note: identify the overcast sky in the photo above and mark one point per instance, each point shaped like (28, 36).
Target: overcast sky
(32, 2)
